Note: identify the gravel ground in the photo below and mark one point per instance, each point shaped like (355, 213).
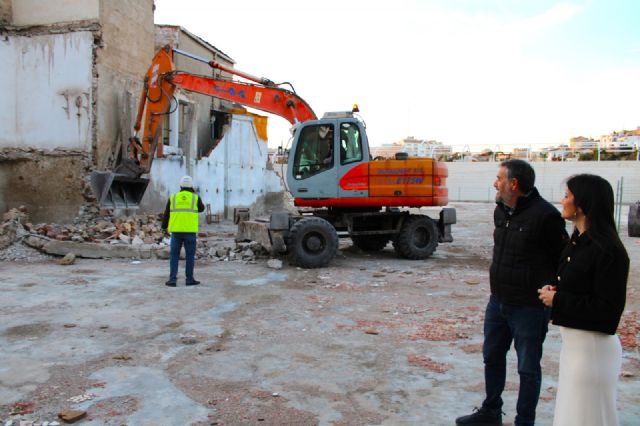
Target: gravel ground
(370, 340)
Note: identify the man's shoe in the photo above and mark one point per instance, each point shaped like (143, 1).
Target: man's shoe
(170, 283)
(194, 282)
(481, 417)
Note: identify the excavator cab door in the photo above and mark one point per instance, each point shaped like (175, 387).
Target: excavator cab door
(312, 170)
(353, 152)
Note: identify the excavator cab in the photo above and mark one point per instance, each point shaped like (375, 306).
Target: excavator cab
(322, 152)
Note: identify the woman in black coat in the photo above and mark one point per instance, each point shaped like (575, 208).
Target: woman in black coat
(587, 304)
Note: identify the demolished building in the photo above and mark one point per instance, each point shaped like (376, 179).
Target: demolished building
(73, 74)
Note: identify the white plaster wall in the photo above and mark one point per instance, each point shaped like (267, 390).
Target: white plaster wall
(246, 160)
(474, 181)
(46, 87)
(234, 175)
(43, 12)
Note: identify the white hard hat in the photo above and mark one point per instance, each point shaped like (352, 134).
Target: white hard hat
(186, 182)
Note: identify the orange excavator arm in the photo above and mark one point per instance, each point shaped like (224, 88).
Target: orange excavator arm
(157, 99)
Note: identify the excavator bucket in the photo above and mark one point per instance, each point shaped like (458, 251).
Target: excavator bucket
(118, 191)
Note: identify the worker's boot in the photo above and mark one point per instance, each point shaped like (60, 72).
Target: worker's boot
(481, 417)
(170, 283)
(193, 282)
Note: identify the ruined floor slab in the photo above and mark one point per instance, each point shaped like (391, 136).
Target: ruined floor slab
(370, 340)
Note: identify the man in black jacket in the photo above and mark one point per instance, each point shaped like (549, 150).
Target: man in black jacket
(528, 238)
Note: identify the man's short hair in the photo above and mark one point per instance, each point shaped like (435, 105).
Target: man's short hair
(521, 171)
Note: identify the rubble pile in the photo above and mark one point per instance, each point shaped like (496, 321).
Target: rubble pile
(136, 230)
(96, 235)
(13, 223)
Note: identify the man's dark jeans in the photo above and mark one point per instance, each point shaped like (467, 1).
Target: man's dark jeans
(189, 241)
(527, 328)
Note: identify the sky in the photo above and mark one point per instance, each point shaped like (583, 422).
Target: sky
(468, 73)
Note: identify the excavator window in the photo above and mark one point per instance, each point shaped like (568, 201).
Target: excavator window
(350, 143)
(314, 150)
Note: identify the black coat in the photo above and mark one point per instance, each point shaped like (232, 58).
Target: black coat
(528, 241)
(592, 285)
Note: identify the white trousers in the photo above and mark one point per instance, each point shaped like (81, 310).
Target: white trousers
(590, 364)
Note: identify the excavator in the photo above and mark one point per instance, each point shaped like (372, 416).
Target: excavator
(340, 190)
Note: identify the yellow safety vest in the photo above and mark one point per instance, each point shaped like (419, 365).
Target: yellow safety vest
(183, 212)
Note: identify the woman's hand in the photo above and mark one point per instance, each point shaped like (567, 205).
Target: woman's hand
(546, 294)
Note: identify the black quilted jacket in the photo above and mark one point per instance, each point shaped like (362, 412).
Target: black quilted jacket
(528, 241)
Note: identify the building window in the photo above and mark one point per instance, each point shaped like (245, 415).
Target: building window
(175, 141)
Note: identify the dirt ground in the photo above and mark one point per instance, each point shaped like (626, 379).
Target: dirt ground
(370, 340)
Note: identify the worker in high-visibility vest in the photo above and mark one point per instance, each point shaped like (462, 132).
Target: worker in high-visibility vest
(181, 219)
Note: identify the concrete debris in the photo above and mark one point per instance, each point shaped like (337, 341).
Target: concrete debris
(68, 259)
(94, 235)
(71, 416)
(81, 398)
(15, 422)
(16, 215)
(274, 263)
(189, 339)
(22, 407)
(13, 222)
(122, 357)
(222, 252)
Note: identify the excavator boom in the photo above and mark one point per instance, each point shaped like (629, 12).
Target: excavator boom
(274, 100)
(124, 187)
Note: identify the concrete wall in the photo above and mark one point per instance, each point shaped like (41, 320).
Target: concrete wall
(125, 52)
(47, 91)
(44, 12)
(46, 120)
(72, 72)
(474, 181)
(234, 175)
(48, 183)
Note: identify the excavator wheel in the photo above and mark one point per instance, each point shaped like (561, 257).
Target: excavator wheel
(312, 243)
(417, 239)
(370, 242)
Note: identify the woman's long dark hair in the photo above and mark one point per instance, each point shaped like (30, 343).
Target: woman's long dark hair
(594, 196)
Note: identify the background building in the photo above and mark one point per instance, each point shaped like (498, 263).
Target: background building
(72, 77)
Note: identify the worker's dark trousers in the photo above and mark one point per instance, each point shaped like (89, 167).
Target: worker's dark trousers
(189, 241)
(527, 327)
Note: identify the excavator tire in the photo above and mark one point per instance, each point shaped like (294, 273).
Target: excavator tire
(312, 243)
(417, 239)
(370, 242)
